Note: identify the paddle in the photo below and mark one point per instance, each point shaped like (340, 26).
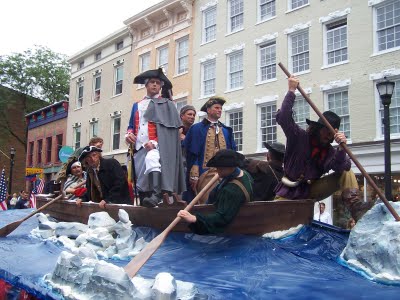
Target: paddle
(6, 230)
(139, 260)
(344, 146)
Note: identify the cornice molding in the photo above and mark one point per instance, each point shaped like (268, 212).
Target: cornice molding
(234, 48)
(375, 2)
(335, 15)
(306, 90)
(233, 106)
(208, 5)
(265, 99)
(297, 27)
(334, 84)
(385, 73)
(208, 57)
(266, 38)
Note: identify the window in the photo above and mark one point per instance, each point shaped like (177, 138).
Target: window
(267, 62)
(267, 123)
(96, 88)
(182, 55)
(338, 102)
(40, 151)
(59, 140)
(119, 74)
(144, 62)
(81, 64)
(235, 70)
(235, 13)
(394, 110)
(208, 78)
(209, 24)
(298, 3)
(116, 132)
(181, 103)
(163, 58)
(301, 111)
(30, 153)
(236, 122)
(336, 42)
(77, 137)
(119, 45)
(49, 146)
(300, 60)
(94, 128)
(267, 9)
(79, 100)
(388, 25)
(97, 56)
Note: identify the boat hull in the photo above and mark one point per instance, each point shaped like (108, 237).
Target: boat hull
(254, 218)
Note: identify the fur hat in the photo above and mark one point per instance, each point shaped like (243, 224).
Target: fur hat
(226, 158)
(330, 116)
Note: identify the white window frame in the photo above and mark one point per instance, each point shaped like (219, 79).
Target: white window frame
(212, 9)
(182, 58)
(79, 97)
(290, 48)
(260, 47)
(180, 103)
(273, 105)
(160, 63)
(240, 132)
(203, 79)
(377, 6)
(230, 73)
(305, 107)
(93, 128)
(118, 82)
(325, 43)
(113, 133)
(230, 17)
(261, 3)
(96, 91)
(77, 133)
(291, 2)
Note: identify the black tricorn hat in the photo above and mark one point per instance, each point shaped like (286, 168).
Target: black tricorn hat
(87, 150)
(213, 100)
(226, 158)
(330, 116)
(156, 73)
(277, 147)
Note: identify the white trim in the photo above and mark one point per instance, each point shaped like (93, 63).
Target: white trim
(385, 73)
(162, 44)
(335, 84)
(118, 62)
(297, 8)
(266, 81)
(375, 2)
(77, 124)
(80, 79)
(233, 106)
(266, 20)
(266, 38)
(338, 14)
(93, 120)
(266, 99)
(335, 64)
(234, 48)
(97, 72)
(208, 5)
(233, 90)
(181, 95)
(116, 114)
(308, 91)
(208, 57)
(297, 27)
(182, 35)
(143, 51)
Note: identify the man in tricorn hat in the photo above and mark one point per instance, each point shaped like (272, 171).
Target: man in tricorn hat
(202, 141)
(266, 174)
(154, 131)
(234, 189)
(309, 155)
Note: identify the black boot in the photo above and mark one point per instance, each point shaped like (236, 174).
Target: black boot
(355, 204)
(155, 186)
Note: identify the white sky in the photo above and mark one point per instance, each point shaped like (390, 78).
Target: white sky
(64, 26)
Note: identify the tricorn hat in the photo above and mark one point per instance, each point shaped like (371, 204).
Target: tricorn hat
(226, 158)
(213, 100)
(330, 116)
(156, 73)
(277, 147)
(87, 150)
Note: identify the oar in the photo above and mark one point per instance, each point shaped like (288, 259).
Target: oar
(139, 260)
(6, 230)
(344, 146)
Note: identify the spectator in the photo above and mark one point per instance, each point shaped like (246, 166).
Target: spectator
(351, 223)
(97, 142)
(23, 201)
(322, 215)
(13, 201)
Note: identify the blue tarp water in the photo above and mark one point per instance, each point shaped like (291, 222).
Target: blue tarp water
(303, 266)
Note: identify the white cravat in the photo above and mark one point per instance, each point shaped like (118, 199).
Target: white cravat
(143, 130)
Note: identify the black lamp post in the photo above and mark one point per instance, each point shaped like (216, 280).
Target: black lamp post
(385, 90)
(12, 154)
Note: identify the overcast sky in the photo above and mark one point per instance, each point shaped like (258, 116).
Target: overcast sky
(64, 26)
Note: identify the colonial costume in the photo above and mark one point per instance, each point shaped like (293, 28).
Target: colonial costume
(75, 181)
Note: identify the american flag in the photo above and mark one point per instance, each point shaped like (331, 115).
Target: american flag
(38, 186)
(3, 191)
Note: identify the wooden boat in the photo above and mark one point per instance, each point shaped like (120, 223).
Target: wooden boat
(254, 218)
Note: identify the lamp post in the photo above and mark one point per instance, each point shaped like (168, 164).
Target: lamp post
(385, 90)
(12, 154)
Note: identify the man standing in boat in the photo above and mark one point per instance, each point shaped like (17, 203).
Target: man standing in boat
(202, 141)
(309, 155)
(154, 133)
(228, 196)
(106, 181)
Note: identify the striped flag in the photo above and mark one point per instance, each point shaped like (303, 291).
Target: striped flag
(38, 187)
(3, 191)
(32, 200)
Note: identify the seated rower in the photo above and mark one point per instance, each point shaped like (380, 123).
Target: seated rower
(74, 187)
(228, 196)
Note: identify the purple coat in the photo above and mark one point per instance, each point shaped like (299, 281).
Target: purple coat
(298, 160)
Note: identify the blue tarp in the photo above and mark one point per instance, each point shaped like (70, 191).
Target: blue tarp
(303, 266)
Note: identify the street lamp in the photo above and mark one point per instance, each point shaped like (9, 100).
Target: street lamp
(12, 154)
(385, 90)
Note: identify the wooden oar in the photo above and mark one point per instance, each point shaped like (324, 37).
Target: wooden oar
(344, 146)
(139, 260)
(6, 230)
